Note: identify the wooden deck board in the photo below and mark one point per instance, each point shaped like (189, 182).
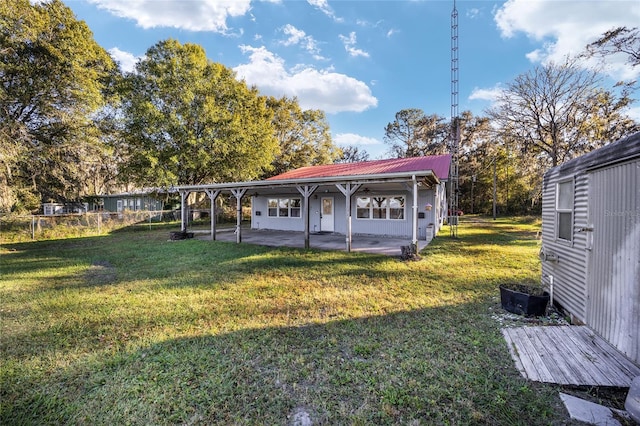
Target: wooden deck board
(578, 351)
(606, 371)
(569, 355)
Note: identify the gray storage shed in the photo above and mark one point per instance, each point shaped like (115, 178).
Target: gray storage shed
(591, 241)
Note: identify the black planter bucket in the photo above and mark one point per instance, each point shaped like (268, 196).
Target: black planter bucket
(522, 303)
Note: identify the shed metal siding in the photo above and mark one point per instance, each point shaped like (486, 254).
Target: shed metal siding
(614, 263)
(569, 273)
(597, 276)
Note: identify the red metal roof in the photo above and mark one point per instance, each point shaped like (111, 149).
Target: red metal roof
(439, 164)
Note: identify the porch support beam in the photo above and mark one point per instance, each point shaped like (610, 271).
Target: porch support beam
(238, 193)
(306, 191)
(184, 195)
(414, 224)
(348, 189)
(213, 196)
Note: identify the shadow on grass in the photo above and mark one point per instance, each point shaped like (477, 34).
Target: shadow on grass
(445, 365)
(108, 354)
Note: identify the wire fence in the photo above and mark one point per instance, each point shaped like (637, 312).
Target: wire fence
(14, 228)
(17, 228)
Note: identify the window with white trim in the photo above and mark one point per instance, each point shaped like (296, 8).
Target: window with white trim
(380, 207)
(283, 207)
(564, 210)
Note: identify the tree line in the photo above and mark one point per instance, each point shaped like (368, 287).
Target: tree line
(546, 116)
(73, 125)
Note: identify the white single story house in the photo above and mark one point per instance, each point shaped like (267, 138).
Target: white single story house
(403, 197)
(591, 241)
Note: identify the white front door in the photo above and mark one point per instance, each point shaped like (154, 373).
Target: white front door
(326, 214)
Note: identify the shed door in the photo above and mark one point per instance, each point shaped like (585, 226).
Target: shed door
(326, 218)
(613, 279)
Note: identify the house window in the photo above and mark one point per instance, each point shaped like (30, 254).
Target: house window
(295, 207)
(396, 207)
(363, 208)
(564, 210)
(380, 207)
(283, 207)
(272, 206)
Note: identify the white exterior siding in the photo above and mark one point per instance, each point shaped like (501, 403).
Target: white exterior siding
(260, 218)
(391, 227)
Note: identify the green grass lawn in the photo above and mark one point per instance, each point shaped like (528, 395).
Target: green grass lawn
(131, 328)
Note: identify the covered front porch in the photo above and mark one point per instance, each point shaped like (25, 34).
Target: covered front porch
(414, 186)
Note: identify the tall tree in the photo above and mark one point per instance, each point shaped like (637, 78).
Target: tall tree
(353, 154)
(618, 40)
(187, 120)
(414, 134)
(555, 110)
(54, 78)
(303, 136)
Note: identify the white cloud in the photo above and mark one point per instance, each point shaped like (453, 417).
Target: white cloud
(329, 91)
(201, 15)
(295, 35)
(126, 60)
(299, 37)
(349, 139)
(566, 27)
(324, 7)
(473, 13)
(349, 45)
(490, 94)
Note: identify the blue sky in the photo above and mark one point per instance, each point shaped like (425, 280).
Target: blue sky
(363, 61)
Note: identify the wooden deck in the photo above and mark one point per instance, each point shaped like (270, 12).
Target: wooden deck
(568, 355)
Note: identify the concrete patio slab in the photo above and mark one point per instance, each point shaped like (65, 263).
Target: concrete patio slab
(375, 244)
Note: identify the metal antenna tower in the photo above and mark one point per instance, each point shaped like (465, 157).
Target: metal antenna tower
(454, 142)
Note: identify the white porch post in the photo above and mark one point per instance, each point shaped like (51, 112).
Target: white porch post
(306, 191)
(238, 193)
(414, 235)
(347, 190)
(213, 195)
(183, 210)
